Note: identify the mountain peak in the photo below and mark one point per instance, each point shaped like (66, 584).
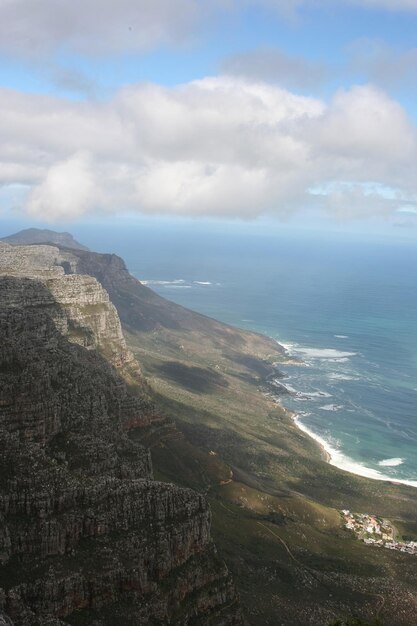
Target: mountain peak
(43, 235)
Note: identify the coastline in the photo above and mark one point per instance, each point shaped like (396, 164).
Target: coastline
(321, 443)
(338, 459)
(331, 455)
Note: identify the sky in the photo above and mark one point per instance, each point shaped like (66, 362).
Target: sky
(301, 111)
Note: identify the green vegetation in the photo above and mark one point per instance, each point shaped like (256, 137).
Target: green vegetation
(275, 502)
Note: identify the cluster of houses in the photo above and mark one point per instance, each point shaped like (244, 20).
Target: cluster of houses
(376, 531)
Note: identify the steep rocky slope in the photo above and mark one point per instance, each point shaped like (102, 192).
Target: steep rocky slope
(141, 309)
(86, 535)
(275, 503)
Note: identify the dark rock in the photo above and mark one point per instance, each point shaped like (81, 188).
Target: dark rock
(86, 535)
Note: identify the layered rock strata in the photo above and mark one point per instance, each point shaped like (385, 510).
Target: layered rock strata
(86, 535)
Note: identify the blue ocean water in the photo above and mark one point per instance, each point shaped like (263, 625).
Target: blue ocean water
(346, 306)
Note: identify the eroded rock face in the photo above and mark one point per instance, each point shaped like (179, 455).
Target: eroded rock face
(36, 261)
(86, 535)
(78, 304)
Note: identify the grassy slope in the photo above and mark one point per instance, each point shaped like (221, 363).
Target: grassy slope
(274, 500)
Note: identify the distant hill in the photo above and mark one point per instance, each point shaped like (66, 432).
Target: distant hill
(43, 235)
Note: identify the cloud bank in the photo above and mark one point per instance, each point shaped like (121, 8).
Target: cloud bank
(219, 146)
(274, 65)
(102, 27)
(385, 65)
(95, 26)
(390, 5)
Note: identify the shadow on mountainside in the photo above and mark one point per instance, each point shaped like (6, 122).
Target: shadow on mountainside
(195, 379)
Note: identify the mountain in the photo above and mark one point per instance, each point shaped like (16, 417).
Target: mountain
(87, 536)
(213, 425)
(275, 501)
(38, 236)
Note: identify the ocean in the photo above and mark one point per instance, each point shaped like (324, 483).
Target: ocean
(345, 305)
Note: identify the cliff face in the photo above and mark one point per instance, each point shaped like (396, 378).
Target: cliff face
(86, 535)
(139, 307)
(80, 307)
(142, 311)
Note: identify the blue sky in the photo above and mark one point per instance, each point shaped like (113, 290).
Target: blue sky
(323, 35)
(272, 109)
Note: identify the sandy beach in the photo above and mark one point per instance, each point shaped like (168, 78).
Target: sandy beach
(331, 455)
(338, 459)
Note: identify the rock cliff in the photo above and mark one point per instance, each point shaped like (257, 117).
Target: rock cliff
(86, 535)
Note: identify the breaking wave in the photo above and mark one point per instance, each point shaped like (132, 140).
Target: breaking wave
(164, 283)
(391, 462)
(340, 460)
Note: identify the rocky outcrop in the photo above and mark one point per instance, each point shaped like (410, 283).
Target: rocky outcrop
(138, 306)
(33, 261)
(86, 535)
(79, 306)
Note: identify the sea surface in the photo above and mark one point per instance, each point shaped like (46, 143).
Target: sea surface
(347, 307)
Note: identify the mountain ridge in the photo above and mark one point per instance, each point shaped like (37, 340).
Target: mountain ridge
(43, 236)
(86, 534)
(275, 503)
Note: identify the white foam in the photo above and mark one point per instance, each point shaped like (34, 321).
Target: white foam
(307, 395)
(165, 283)
(304, 395)
(202, 282)
(343, 462)
(331, 407)
(288, 347)
(289, 388)
(330, 355)
(391, 462)
(341, 336)
(336, 376)
(324, 353)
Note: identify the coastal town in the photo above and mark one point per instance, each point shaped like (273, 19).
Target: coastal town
(376, 531)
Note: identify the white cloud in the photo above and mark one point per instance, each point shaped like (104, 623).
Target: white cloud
(101, 27)
(385, 65)
(68, 189)
(274, 65)
(218, 146)
(365, 123)
(94, 26)
(287, 6)
(344, 201)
